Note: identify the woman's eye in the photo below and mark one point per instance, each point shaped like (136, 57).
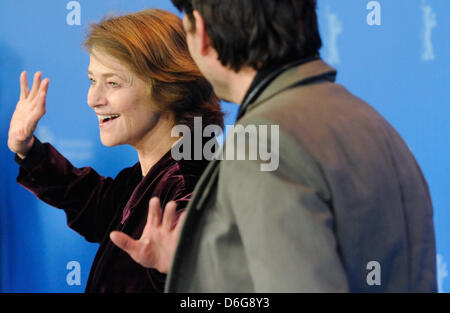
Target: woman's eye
(113, 84)
(92, 80)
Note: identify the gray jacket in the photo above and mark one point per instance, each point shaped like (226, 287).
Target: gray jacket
(347, 209)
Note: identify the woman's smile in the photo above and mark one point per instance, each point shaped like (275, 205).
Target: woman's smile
(106, 119)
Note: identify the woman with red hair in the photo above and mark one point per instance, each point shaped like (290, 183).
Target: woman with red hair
(143, 82)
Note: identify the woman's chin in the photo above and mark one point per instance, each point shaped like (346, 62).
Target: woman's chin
(109, 142)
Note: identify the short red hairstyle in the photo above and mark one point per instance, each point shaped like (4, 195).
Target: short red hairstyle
(152, 44)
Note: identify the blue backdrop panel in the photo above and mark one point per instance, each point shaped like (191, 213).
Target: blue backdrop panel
(399, 65)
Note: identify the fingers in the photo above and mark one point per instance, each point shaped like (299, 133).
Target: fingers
(44, 86)
(124, 242)
(154, 213)
(24, 90)
(43, 93)
(39, 88)
(36, 84)
(179, 225)
(169, 216)
(38, 106)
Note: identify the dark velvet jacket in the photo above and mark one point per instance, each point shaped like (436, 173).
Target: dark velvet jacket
(96, 205)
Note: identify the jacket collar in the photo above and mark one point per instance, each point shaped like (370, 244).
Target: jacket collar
(290, 77)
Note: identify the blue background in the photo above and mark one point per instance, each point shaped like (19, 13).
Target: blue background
(382, 64)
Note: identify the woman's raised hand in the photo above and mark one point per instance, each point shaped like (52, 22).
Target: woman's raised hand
(29, 110)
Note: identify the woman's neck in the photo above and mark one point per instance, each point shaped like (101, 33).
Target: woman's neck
(155, 145)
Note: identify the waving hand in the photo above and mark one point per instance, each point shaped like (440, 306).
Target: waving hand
(28, 112)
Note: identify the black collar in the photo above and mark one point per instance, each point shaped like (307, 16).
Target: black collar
(263, 78)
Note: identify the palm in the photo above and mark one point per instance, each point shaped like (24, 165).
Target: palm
(152, 252)
(156, 247)
(28, 112)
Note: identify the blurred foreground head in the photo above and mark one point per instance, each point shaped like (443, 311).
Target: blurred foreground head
(254, 33)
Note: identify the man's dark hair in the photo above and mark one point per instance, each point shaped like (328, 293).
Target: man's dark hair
(258, 32)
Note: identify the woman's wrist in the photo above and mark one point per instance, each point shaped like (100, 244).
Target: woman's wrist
(23, 154)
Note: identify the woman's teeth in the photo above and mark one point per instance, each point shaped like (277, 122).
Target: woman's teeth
(106, 118)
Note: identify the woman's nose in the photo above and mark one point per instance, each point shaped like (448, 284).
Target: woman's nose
(96, 97)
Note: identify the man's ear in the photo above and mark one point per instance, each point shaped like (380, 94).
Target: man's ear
(203, 39)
